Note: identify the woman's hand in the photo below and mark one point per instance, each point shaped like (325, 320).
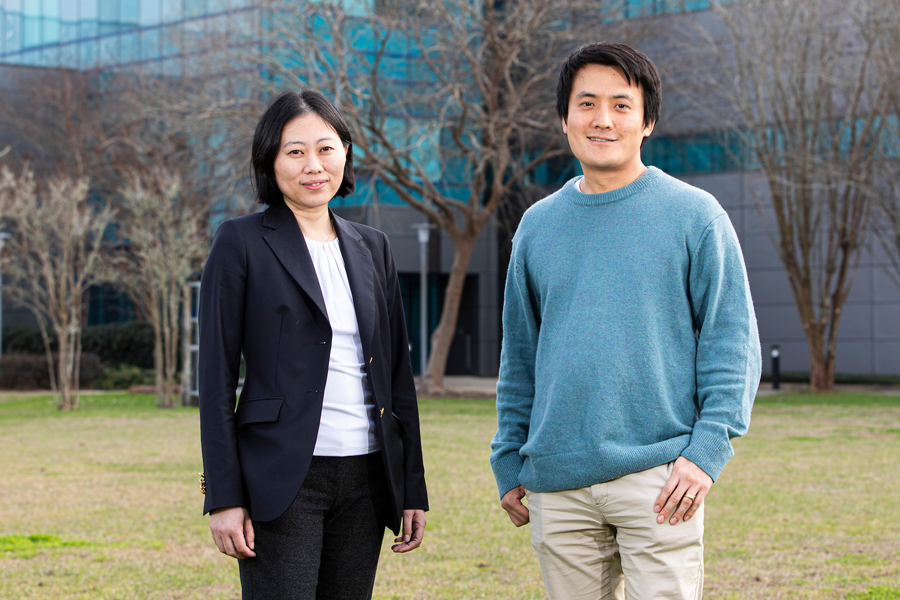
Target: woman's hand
(232, 531)
(413, 531)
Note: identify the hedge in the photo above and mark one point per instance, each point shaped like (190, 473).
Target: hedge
(29, 371)
(116, 343)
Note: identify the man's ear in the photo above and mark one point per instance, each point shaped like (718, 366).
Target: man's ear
(566, 126)
(648, 129)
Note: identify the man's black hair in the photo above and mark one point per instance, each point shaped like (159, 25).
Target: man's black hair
(267, 140)
(637, 68)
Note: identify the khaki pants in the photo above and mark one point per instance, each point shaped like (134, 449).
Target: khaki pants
(595, 542)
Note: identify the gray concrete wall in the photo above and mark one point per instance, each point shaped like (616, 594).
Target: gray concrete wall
(397, 222)
(869, 330)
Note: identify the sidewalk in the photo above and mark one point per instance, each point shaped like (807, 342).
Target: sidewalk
(486, 387)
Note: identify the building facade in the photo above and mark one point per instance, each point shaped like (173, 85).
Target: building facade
(166, 38)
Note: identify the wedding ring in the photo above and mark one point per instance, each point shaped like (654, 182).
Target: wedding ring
(689, 497)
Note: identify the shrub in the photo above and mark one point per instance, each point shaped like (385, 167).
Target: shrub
(29, 371)
(122, 377)
(115, 343)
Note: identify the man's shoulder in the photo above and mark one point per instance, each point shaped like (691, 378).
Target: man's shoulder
(686, 199)
(544, 208)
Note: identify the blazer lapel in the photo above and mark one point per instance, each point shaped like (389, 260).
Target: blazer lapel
(361, 273)
(286, 241)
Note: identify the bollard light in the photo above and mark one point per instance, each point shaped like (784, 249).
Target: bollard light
(776, 366)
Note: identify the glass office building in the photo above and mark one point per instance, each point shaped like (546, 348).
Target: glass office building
(169, 38)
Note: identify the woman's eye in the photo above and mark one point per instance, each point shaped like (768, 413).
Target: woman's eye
(295, 152)
(327, 149)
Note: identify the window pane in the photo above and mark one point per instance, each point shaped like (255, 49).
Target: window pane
(50, 31)
(31, 31)
(130, 47)
(31, 8)
(171, 10)
(68, 56)
(194, 8)
(129, 11)
(89, 9)
(150, 11)
(88, 54)
(12, 33)
(68, 10)
(50, 8)
(150, 44)
(109, 50)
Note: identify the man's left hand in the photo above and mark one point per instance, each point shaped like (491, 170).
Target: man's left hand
(683, 493)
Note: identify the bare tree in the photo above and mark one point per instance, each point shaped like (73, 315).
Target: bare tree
(167, 243)
(51, 260)
(795, 83)
(886, 187)
(450, 102)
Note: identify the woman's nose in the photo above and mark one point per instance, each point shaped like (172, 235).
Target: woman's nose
(313, 165)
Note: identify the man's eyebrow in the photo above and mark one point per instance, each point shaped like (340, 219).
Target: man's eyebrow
(623, 95)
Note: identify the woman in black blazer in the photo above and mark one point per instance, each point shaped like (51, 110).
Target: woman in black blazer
(324, 448)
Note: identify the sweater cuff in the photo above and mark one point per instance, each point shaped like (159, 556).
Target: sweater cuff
(709, 450)
(506, 471)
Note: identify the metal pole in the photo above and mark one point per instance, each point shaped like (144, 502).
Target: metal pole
(424, 230)
(776, 367)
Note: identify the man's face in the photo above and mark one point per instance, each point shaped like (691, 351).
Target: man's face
(605, 124)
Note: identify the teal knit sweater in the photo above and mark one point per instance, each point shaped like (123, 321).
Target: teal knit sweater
(629, 337)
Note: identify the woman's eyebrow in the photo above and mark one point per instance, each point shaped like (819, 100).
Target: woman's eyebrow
(318, 141)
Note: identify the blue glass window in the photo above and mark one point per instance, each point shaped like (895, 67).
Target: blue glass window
(50, 8)
(150, 44)
(129, 12)
(109, 11)
(109, 51)
(31, 31)
(171, 10)
(88, 51)
(130, 47)
(150, 12)
(89, 9)
(68, 55)
(50, 30)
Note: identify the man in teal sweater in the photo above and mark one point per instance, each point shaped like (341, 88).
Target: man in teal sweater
(630, 352)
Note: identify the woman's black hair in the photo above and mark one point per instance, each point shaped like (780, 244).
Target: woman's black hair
(637, 68)
(267, 140)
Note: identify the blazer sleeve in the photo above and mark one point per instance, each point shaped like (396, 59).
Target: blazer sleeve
(221, 324)
(403, 390)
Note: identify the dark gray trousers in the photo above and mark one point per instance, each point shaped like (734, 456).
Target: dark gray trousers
(326, 545)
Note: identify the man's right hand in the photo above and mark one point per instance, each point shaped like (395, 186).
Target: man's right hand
(512, 504)
(232, 530)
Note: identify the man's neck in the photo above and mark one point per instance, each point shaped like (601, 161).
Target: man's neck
(600, 182)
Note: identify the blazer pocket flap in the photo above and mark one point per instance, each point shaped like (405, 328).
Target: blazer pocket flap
(263, 410)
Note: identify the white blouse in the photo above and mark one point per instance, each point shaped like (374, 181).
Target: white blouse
(347, 427)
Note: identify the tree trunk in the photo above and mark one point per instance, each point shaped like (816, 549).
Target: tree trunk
(51, 367)
(821, 372)
(156, 319)
(442, 338)
(64, 366)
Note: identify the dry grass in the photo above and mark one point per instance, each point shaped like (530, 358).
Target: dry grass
(807, 508)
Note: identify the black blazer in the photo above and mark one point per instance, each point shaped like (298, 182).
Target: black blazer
(259, 296)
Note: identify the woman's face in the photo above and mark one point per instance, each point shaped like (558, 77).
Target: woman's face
(309, 167)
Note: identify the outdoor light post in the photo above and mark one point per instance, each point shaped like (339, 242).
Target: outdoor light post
(3, 237)
(424, 230)
(776, 366)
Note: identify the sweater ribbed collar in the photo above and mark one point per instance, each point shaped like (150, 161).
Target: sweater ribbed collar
(648, 178)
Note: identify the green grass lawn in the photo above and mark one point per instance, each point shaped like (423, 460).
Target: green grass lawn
(104, 504)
